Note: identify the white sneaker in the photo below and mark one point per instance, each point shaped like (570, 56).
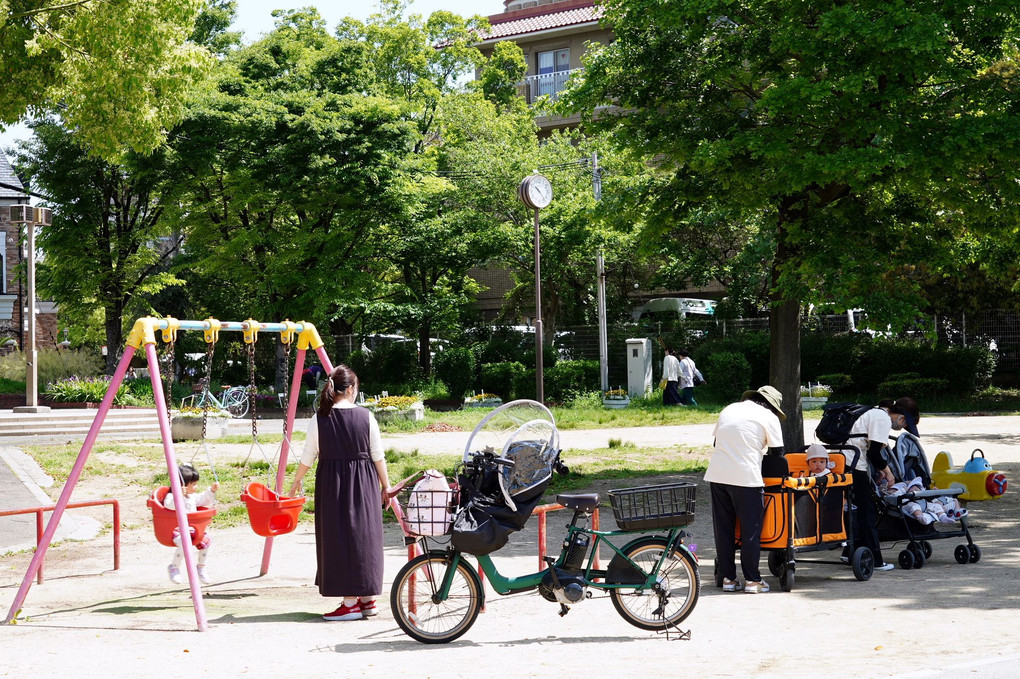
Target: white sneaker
(203, 576)
(175, 574)
(884, 567)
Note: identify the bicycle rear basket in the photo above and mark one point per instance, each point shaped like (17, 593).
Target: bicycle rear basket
(649, 507)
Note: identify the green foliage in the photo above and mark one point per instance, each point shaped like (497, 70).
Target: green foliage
(8, 386)
(566, 379)
(52, 365)
(498, 378)
(727, 375)
(72, 56)
(916, 387)
(455, 366)
(838, 381)
(85, 390)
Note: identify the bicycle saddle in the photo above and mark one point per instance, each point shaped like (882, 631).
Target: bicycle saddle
(583, 502)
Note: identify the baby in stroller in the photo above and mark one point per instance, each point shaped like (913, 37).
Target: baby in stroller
(911, 508)
(943, 508)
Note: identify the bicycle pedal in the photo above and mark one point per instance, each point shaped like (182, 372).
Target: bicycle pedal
(564, 609)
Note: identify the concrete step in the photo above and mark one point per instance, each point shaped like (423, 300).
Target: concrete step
(60, 422)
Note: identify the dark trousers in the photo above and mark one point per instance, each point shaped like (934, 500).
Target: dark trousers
(865, 519)
(671, 395)
(729, 504)
(687, 396)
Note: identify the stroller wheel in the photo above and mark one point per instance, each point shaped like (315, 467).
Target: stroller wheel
(926, 548)
(962, 554)
(906, 559)
(975, 553)
(863, 563)
(776, 561)
(918, 556)
(786, 578)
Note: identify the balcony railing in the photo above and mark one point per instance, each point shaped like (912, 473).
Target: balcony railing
(545, 84)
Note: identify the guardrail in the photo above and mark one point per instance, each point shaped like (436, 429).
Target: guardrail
(38, 511)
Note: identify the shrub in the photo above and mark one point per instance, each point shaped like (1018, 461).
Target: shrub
(456, 368)
(838, 381)
(86, 390)
(498, 378)
(727, 375)
(11, 386)
(53, 365)
(566, 379)
(524, 384)
(916, 387)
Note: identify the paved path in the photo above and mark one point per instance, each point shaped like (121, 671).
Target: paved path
(945, 620)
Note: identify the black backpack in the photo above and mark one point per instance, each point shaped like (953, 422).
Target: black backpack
(837, 421)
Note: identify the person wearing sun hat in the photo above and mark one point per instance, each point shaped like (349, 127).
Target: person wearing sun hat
(743, 432)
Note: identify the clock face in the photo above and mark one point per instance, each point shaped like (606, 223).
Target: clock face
(538, 191)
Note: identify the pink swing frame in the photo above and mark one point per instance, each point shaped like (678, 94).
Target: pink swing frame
(143, 334)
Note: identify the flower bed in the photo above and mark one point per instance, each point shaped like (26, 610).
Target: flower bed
(814, 396)
(186, 424)
(616, 398)
(483, 400)
(389, 408)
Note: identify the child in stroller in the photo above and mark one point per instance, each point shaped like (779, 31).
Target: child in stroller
(913, 510)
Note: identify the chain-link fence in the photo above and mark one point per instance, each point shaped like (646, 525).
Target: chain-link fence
(998, 329)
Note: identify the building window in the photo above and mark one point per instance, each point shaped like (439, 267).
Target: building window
(553, 71)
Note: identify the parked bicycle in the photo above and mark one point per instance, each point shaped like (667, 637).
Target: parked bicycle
(233, 400)
(652, 580)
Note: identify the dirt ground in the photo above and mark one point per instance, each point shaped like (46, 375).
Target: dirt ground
(86, 619)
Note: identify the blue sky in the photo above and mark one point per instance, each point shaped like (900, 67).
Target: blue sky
(254, 17)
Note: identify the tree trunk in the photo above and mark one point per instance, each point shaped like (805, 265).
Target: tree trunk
(784, 367)
(112, 321)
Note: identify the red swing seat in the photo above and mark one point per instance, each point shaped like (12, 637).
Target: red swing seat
(164, 521)
(270, 513)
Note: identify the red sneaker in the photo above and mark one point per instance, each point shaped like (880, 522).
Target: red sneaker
(345, 613)
(368, 608)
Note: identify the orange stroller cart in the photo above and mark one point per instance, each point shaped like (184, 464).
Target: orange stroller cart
(805, 513)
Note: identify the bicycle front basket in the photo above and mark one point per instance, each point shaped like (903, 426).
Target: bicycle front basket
(650, 507)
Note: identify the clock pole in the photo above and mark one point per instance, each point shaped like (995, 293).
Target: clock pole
(535, 191)
(539, 364)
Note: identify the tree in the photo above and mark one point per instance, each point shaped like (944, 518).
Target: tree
(118, 70)
(857, 139)
(108, 244)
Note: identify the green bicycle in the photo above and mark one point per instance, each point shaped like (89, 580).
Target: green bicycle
(652, 580)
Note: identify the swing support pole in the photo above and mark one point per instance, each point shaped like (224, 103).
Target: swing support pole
(144, 334)
(72, 479)
(308, 338)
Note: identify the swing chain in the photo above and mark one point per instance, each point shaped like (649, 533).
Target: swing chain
(206, 379)
(251, 389)
(286, 387)
(168, 377)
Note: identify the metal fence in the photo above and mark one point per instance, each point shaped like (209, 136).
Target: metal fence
(997, 329)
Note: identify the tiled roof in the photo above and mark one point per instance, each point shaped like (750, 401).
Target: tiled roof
(541, 22)
(7, 176)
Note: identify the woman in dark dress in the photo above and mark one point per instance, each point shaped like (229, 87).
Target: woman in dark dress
(351, 488)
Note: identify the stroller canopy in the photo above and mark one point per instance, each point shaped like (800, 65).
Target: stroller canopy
(523, 431)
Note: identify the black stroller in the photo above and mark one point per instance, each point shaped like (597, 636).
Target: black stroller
(916, 512)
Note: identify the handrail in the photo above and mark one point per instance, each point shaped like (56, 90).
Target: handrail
(38, 511)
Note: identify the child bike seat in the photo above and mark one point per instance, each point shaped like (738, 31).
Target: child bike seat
(584, 502)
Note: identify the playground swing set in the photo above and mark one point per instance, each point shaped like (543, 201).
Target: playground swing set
(270, 513)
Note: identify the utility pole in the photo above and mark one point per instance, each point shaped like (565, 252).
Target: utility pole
(600, 268)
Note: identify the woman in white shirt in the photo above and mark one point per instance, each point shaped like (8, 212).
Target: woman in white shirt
(671, 372)
(743, 432)
(351, 487)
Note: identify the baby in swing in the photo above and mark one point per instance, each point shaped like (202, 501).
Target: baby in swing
(193, 499)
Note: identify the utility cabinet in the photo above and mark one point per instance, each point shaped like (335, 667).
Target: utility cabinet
(639, 367)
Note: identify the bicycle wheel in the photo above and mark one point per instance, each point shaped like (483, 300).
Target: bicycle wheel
(235, 400)
(419, 612)
(674, 594)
